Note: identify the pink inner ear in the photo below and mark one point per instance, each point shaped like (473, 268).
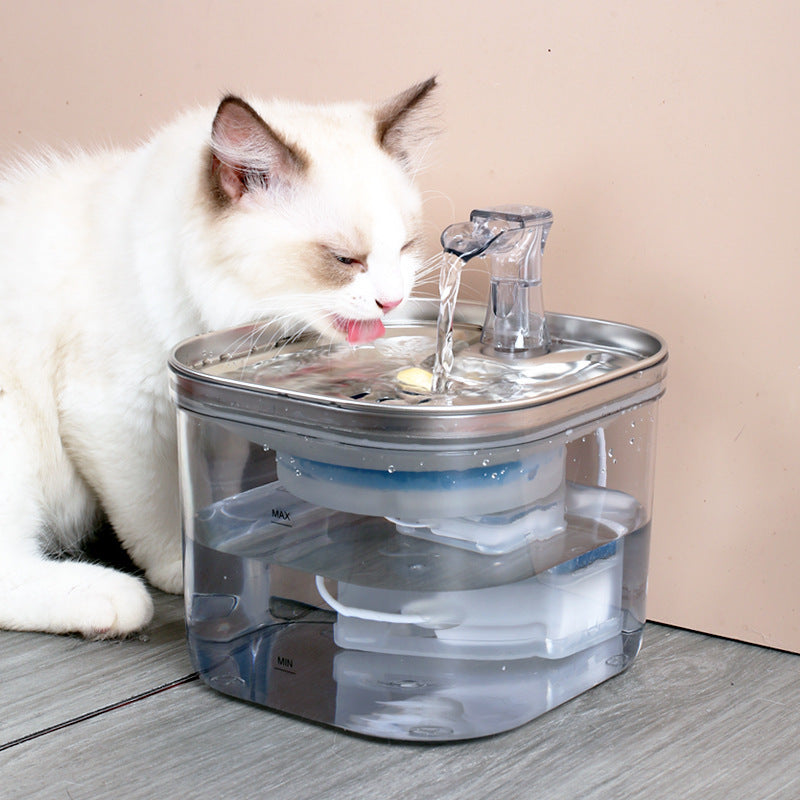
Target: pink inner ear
(247, 152)
(230, 181)
(236, 124)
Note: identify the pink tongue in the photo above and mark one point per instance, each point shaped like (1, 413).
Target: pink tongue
(363, 330)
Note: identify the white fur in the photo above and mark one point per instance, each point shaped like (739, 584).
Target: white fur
(106, 262)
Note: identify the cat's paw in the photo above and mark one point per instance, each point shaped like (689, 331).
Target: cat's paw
(116, 607)
(73, 597)
(168, 576)
(102, 604)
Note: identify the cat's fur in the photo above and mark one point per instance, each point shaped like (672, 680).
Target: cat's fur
(302, 214)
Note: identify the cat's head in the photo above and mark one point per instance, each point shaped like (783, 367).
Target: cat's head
(316, 217)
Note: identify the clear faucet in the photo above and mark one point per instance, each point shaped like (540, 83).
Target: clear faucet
(512, 239)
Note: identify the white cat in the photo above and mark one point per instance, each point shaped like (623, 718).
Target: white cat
(302, 214)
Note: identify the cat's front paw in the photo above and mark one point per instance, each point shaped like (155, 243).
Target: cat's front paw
(72, 597)
(116, 607)
(168, 577)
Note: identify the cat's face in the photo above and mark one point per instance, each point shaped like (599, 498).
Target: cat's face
(317, 220)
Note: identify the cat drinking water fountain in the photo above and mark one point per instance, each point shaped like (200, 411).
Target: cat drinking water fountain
(435, 536)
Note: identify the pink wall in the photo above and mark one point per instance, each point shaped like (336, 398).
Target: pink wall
(663, 136)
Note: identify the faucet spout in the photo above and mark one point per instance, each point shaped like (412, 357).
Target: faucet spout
(511, 239)
(469, 239)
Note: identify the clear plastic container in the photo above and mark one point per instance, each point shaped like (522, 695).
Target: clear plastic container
(412, 566)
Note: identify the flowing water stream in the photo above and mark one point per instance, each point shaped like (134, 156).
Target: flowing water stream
(449, 282)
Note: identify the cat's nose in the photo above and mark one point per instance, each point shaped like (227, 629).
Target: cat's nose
(388, 305)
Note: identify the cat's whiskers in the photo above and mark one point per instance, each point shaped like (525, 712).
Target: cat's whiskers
(434, 194)
(427, 293)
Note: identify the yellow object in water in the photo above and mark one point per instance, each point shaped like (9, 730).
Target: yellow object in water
(414, 379)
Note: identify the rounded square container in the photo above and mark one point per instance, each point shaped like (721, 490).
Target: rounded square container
(365, 554)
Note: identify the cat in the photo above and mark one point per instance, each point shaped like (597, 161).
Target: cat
(306, 216)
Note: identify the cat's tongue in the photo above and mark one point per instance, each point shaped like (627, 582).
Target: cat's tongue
(360, 331)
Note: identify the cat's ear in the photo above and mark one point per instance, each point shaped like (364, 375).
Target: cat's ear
(246, 154)
(404, 124)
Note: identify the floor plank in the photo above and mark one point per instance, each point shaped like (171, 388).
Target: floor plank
(45, 680)
(695, 716)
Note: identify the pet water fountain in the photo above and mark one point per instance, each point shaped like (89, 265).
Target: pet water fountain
(438, 535)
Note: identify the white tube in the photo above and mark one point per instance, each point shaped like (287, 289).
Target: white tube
(366, 613)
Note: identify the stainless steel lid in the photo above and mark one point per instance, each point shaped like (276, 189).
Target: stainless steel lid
(353, 394)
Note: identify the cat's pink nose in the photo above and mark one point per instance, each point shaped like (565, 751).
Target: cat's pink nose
(388, 305)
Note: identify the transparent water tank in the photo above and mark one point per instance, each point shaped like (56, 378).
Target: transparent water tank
(365, 553)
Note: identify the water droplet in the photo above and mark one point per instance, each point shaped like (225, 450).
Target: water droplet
(485, 462)
(631, 440)
(391, 468)
(610, 453)
(299, 473)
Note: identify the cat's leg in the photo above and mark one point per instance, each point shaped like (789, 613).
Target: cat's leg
(43, 498)
(148, 525)
(139, 493)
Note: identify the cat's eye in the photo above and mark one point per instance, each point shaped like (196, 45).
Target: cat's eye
(352, 261)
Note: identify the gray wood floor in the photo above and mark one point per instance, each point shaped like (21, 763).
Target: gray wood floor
(694, 717)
